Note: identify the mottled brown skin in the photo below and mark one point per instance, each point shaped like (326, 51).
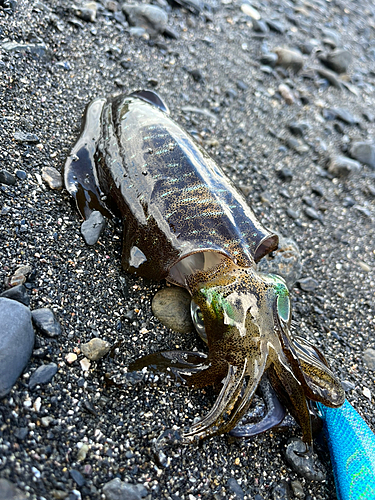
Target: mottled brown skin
(133, 160)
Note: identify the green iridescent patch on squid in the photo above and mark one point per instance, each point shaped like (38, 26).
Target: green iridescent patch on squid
(282, 292)
(219, 304)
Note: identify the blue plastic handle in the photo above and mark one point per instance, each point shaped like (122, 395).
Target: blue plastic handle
(352, 448)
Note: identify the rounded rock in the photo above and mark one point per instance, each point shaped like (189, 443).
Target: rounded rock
(119, 490)
(149, 17)
(339, 60)
(42, 375)
(172, 308)
(341, 166)
(305, 464)
(52, 177)
(45, 321)
(92, 228)
(369, 358)
(95, 349)
(16, 342)
(363, 152)
(289, 59)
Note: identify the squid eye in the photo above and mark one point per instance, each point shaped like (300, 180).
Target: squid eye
(283, 307)
(197, 317)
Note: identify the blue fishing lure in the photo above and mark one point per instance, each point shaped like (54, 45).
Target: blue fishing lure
(352, 448)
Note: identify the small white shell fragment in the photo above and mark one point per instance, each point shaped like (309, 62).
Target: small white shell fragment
(250, 11)
(71, 357)
(367, 393)
(37, 404)
(85, 364)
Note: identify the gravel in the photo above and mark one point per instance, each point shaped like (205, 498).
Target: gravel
(57, 55)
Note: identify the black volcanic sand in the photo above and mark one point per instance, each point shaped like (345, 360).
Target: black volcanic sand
(221, 64)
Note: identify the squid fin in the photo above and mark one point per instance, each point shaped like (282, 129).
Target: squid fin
(79, 170)
(152, 98)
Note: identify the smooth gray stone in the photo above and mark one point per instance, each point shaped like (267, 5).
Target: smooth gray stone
(9, 491)
(118, 490)
(92, 228)
(7, 178)
(305, 464)
(172, 308)
(363, 152)
(150, 17)
(34, 48)
(18, 293)
(45, 321)
(25, 137)
(42, 375)
(369, 358)
(341, 166)
(338, 60)
(16, 342)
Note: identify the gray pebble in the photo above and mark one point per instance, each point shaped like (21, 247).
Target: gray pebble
(241, 85)
(235, 488)
(269, 59)
(9, 491)
(25, 137)
(45, 321)
(318, 190)
(52, 177)
(298, 128)
(307, 465)
(369, 358)
(34, 48)
(298, 146)
(339, 60)
(16, 342)
(18, 293)
(341, 166)
(95, 349)
(313, 214)
(289, 59)
(7, 178)
(363, 210)
(292, 213)
(172, 308)
(344, 115)
(297, 489)
(77, 477)
(87, 12)
(21, 433)
(330, 76)
(276, 26)
(260, 26)
(285, 174)
(281, 491)
(331, 37)
(347, 385)
(20, 275)
(137, 32)
(370, 117)
(118, 490)
(308, 284)
(42, 375)
(21, 174)
(149, 17)
(363, 152)
(92, 228)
